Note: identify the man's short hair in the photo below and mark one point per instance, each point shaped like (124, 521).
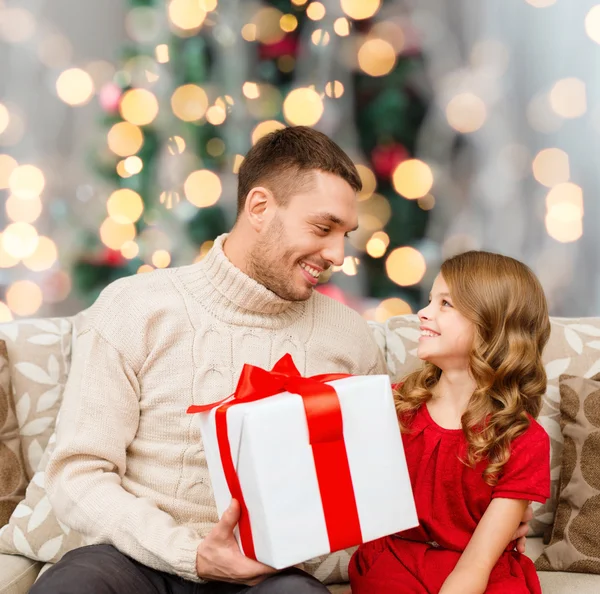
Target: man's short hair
(283, 160)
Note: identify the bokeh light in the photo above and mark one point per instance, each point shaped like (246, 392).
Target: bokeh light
(4, 117)
(466, 113)
(565, 201)
(334, 89)
(133, 165)
(130, 249)
(264, 128)
(215, 115)
(303, 107)
(7, 166)
(368, 179)
(564, 231)
(17, 24)
(320, 37)
(541, 3)
(378, 244)
(376, 57)
(26, 182)
(56, 286)
(592, 23)
(266, 26)
(125, 139)
(23, 211)
(405, 266)
(360, 9)
(5, 313)
(391, 307)
(203, 188)
(20, 240)
(215, 147)
(6, 260)
(75, 86)
(568, 98)
(189, 103)
(125, 206)
(114, 235)
(350, 266)
(342, 27)
(161, 258)
(315, 11)
(412, 179)
(24, 297)
(288, 23)
(551, 167)
(139, 107)
(44, 257)
(187, 14)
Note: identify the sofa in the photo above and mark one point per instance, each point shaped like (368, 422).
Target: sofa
(38, 355)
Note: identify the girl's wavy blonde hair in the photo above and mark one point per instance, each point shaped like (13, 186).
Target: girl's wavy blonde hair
(507, 306)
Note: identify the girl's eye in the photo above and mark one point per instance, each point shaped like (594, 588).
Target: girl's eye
(444, 302)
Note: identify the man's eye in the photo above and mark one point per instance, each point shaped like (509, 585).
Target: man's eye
(323, 229)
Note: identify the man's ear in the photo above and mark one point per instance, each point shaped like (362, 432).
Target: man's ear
(259, 207)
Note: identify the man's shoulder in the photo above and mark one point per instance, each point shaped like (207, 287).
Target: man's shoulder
(133, 297)
(338, 315)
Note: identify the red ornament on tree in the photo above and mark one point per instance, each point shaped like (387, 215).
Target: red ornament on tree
(387, 157)
(111, 258)
(109, 97)
(288, 46)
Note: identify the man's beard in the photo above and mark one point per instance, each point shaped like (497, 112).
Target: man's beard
(266, 264)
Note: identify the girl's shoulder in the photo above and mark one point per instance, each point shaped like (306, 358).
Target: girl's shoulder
(533, 434)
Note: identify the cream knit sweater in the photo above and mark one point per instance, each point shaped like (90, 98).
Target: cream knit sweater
(129, 467)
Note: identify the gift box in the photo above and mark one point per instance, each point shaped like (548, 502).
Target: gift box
(317, 463)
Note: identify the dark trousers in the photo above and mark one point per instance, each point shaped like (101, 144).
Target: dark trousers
(102, 569)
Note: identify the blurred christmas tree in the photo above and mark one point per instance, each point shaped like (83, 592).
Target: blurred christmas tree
(204, 79)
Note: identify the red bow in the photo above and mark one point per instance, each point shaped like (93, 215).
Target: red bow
(325, 429)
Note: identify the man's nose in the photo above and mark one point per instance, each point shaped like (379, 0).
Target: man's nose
(334, 252)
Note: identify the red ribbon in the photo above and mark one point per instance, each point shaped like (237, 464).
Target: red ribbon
(325, 429)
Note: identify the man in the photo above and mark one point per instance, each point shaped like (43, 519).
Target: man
(129, 470)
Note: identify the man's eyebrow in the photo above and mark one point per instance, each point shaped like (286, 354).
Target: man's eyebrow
(331, 218)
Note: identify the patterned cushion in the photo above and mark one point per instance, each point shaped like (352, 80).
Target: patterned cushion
(12, 468)
(39, 357)
(574, 348)
(39, 354)
(33, 529)
(575, 543)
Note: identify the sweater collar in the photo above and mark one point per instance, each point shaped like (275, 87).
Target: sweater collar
(232, 295)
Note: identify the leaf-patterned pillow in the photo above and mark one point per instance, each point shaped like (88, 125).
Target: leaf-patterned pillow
(33, 530)
(12, 468)
(39, 353)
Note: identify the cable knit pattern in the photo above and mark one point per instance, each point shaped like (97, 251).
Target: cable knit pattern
(129, 466)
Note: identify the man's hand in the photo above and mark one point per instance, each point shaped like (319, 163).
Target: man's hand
(521, 534)
(219, 557)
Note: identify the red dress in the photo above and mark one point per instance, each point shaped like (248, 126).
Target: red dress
(451, 498)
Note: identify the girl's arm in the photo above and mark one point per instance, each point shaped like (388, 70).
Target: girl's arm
(489, 541)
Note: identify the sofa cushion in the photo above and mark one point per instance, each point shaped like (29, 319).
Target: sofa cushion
(17, 574)
(39, 355)
(574, 348)
(575, 543)
(12, 467)
(33, 529)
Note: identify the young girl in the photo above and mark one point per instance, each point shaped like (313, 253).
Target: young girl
(475, 454)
